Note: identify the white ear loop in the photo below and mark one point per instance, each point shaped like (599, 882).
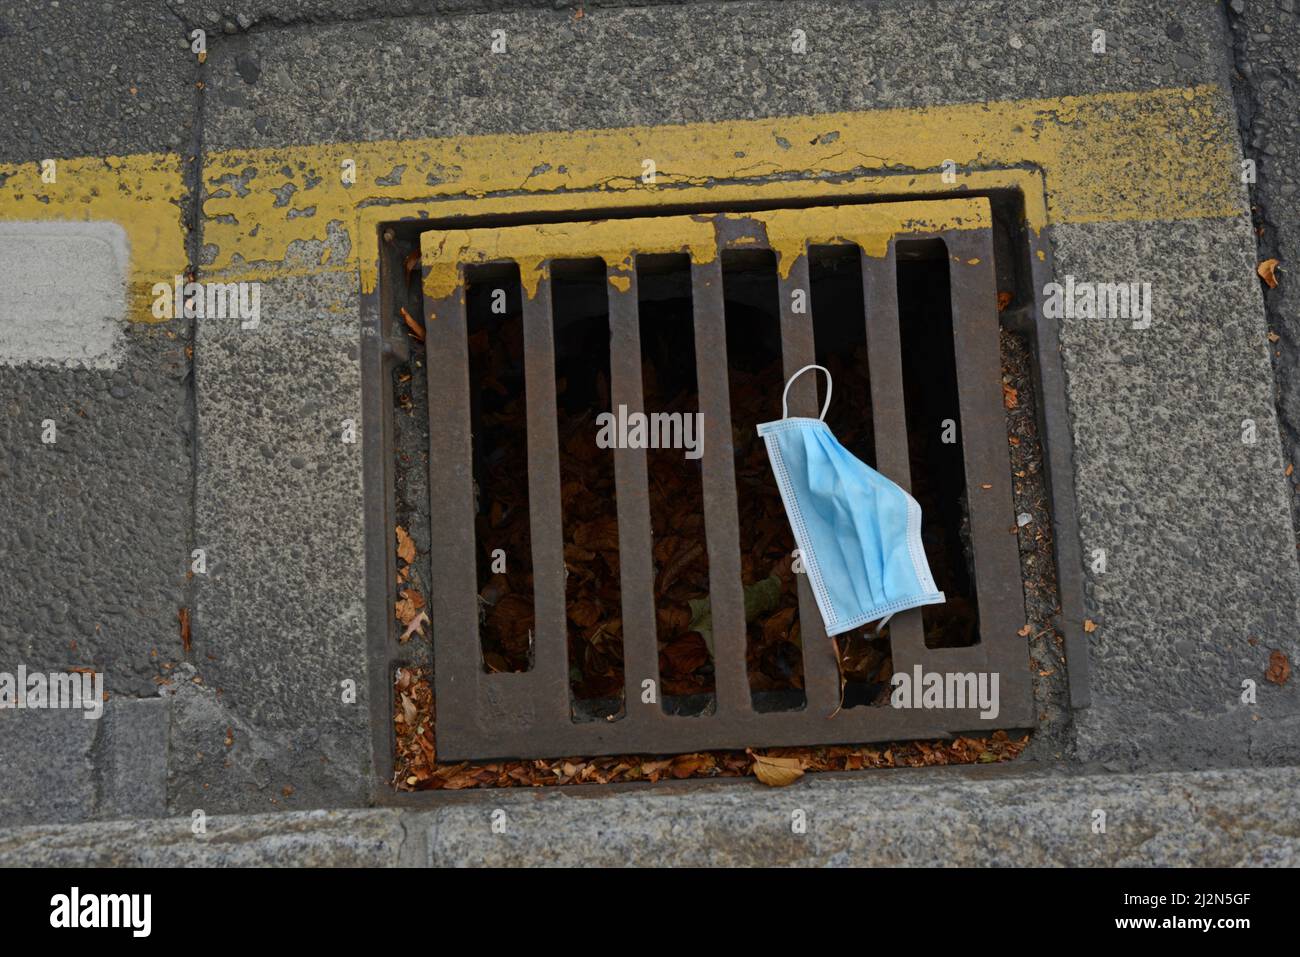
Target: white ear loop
(785, 409)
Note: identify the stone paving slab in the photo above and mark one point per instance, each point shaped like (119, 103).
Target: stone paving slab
(923, 818)
(936, 817)
(48, 760)
(298, 839)
(1197, 591)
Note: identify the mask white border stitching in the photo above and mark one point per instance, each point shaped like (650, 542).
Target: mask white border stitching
(800, 532)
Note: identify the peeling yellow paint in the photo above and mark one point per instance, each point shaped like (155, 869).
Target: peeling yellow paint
(141, 193)
(445, 254)
(788, 232)
(1161, 154)
(1154, 155)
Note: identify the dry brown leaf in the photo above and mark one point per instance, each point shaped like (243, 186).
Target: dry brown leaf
(415, 626)
(684, 654)
(599, 535)
(1004, 300)
(1268, 272)
(777, 772)
(408, 606)
(1024, 632)
(411, 263)
(652, 769)
(203, 57)
(409, 714)
(584, 612)
(685, 765)
(405, 546)
(184, 617)
(417, 330)
(1279, 668)
(1010, 397)
(1089, 625)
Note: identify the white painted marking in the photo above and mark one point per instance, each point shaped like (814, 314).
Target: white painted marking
(62, 294)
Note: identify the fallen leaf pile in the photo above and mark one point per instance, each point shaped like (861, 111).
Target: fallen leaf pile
(502, 526)
(417, 768)
(409, 608)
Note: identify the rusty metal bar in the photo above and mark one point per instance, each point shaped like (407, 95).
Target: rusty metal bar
(889, 417)
(631, 489)
(722, 525)
(821, 675)
(550, 638)
(454, 600)
(999, 589)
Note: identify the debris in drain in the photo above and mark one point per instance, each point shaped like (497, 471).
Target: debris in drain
(765, 572)
(405, 545)
(416, 767)
(417, 330)
(1268, 272)
(411, 263)
(776, 772)
(409, 606)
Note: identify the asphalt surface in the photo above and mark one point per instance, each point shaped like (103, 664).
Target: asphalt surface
(1266, 57)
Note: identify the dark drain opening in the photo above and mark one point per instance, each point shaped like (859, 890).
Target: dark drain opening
(589, 506)
(669, 383)
(840, 334)
(774, 656)
(935, 440)
(502, 529)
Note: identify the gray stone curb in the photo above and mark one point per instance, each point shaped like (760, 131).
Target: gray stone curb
(935, 817)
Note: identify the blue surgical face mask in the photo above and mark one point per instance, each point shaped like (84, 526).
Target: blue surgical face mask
(859, 534)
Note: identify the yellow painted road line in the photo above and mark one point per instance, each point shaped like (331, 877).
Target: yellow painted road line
(142, 193)
(1164, 154)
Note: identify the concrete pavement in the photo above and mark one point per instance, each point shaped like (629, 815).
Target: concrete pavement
(185, 434)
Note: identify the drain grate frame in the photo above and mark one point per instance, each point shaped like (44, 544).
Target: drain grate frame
(528, 714)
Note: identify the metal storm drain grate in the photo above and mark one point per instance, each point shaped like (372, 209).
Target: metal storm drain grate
(601, 544)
